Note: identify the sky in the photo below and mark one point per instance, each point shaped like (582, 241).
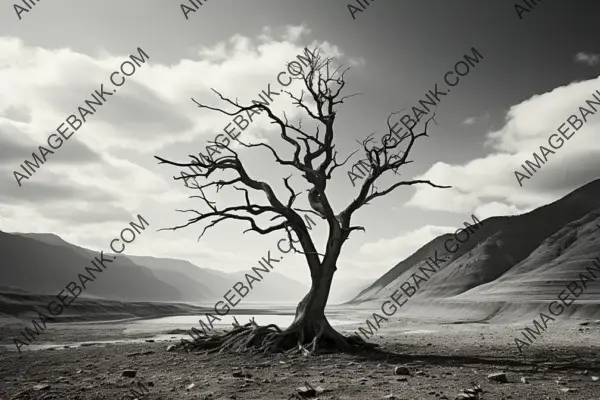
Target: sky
(536, 69)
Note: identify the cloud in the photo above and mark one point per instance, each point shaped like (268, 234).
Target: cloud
(153, 108)
(15, 147)
(587, 58)
(488, 184)
(473, 120)
(294, 33)
(357, 62)
(495, 208)
(387, 252)
(56, 189)
(105, 172)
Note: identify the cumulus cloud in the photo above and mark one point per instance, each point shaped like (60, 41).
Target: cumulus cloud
(89, 189)
(488, 184)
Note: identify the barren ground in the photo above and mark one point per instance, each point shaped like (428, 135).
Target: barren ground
(443, 360)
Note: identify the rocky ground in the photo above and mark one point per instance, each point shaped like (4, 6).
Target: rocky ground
(435, 362)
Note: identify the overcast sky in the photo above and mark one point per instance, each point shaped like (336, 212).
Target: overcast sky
(535, 72)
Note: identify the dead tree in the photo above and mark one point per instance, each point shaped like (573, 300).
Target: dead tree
(315, 158)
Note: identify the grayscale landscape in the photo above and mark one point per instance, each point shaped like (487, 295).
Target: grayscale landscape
(299, 200)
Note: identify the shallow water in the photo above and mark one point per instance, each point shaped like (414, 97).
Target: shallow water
(157, 328)
(189, 321)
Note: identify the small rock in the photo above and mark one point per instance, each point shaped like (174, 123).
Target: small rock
(499, 377)
(402, 379)
(171, 347)
(390, 397)
(133, 354)
(238, 374)
(401, 371)
(524, 380)
(129, 373)
(190, 387)
(595, 378)
(41, 387)
(306, 391)
(420, 373)
(149, 340)
(568, 390)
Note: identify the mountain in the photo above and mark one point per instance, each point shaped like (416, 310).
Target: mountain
(197, 283)
(45, 264)
(526, 258)
(275, 288)
(556, 262)
(54, 263)
(194, 283)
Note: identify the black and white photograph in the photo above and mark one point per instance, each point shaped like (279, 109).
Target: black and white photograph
(299, 199)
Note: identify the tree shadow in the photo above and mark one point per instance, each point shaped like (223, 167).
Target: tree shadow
(553, 362)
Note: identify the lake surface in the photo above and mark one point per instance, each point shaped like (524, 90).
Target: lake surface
(188, 321)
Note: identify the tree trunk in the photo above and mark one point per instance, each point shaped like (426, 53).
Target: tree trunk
(309, 332)
(310, 326)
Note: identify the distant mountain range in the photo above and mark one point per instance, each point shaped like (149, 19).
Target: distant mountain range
(521, 259)
(43, 264)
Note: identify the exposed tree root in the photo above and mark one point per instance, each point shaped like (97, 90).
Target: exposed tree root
(298, 338)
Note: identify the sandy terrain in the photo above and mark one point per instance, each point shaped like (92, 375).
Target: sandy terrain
(442, 361)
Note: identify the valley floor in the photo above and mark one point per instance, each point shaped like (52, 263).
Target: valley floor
(442, 360)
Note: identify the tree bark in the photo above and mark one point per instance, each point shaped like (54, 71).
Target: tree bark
(310, 326)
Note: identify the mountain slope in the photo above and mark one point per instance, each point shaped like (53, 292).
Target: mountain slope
(500, 245)
(209, 284)
(556, 262)
(36, 265)
(54, 263)
(194, 283)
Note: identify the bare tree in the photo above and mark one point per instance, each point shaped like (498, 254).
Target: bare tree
(315, 158)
